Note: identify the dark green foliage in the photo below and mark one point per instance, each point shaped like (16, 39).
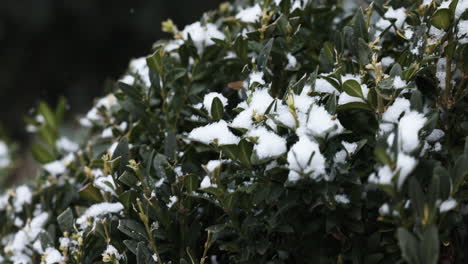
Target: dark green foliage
(344, 157)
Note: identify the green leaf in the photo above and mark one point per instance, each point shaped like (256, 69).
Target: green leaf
(460, 172)
(41, 154)
(240, 47)
(262, 58)
(453, 6)
(170, 144)
(191, 182)
(60, 109)
(360, 26)
(132, 229)
(90, 193)
(217, 109)
(65, 220)
(45, 239)
(382, 156)
(155, 62)
(127, 198)
(396, 70)
(159, 165)
(143, 254)
(130, 91)
(445, 182)
(49, 115)
(429, 247)
(231, 151)
(121, 151)
(417, 197)
(330, 106)
(354, 105)
(217, 192)
(408, 246)
(327, 56)
(353, 88)
(465, 151)
(363, 52)
(128, 179)
(433, 193)
(416, 101)
(299, 85)
(245, 152)
(464, 58)
(442, 19)
(131, 245)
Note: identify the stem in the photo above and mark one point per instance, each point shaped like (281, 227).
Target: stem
(380, 104)
(207, 246)
(460, 86)
(144, 219)
(448, 76)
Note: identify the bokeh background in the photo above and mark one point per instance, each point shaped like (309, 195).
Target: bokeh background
(50, 48)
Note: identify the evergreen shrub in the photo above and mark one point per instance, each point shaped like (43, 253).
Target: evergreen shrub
(272, 131)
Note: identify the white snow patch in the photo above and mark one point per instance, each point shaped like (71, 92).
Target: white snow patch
(400, 106)
(441, 73)
(405, 164)
(172, 201)
(398, 14)
(4, 155)
(213, 164)
(384, 176)
(23, 195)
(387, 61)
(244, 119)
(461, 8)
(251, 14)
(340, 157)
(463, 31)
(24, 238)
(257, 77)
(112, 251)
(4, 201)
(292, 61)
(67, 145)
(214, 133)
(342, 199)
(384, 209)
(208, 100)
(269, 145)
(447, 205)
(98, 210)
(64, 242)
(51, 256)
(202, 35)
(320, 123)
(398, 83)
(305, 157)
(140, 67)
(206, 183)
(435, 135)
(107, 133)
(106, 184)
(258, 103)
(323, 86)
(408, 128)
(55, 167)
(350, 147)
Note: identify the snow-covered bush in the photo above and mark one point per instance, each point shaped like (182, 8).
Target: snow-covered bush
(270, 132)
(5, 161)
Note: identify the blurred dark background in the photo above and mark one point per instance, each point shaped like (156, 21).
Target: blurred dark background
(50, 48)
